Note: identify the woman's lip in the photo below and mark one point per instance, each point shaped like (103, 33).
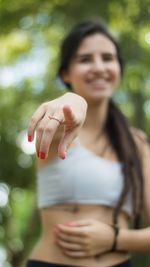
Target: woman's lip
(98, 84)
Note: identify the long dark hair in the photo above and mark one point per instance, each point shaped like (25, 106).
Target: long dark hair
(117, 127)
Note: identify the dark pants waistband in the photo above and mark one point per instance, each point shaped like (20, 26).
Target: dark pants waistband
(34, 263)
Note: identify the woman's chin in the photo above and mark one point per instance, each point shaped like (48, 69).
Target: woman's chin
(98, 97)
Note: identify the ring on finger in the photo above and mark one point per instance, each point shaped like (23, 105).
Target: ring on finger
(54, 118)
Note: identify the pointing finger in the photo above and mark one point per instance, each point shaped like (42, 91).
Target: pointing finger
(68, 114)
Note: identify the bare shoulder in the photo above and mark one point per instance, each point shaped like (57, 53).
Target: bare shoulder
(141, 140)
(139, 135)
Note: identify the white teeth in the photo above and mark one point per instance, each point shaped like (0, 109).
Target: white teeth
(98, 82)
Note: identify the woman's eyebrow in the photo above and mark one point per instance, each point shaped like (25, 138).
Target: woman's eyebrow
(83, 55)
(109, 54)
(90, 54)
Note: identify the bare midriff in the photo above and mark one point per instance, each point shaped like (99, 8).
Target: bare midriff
(48, 251)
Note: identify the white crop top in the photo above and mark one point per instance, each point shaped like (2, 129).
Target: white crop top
(83, 177)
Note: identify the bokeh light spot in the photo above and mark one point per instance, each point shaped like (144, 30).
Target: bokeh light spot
(147, 37)
(22, 141)
(26, 22)
(2, 254)
(43, 18)
(24, 160)
(4, 192)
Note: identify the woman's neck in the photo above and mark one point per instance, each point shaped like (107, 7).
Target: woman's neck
(96, 117)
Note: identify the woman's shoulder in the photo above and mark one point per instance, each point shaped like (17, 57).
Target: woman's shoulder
(139, 135)
(141, 141)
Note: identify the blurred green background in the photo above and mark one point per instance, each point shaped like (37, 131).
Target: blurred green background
(30, 35)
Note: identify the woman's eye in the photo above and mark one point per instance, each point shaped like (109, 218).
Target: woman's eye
(85, 59)
(108, 58)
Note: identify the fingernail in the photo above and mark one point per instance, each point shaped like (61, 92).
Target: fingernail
(64, 251)
(55, 231)
(64, 156)
(57, 226)
(57, 241)
(38, 154)
(29, 138)
(69, 224)
(42, 155)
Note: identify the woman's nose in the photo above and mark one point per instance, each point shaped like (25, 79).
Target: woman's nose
(98, 65)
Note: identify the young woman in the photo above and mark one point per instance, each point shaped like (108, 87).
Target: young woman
(86, 201)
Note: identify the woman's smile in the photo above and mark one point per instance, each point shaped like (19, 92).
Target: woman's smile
(98, 83)
(94, 73)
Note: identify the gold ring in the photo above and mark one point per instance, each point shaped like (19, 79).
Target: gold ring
(54, 118)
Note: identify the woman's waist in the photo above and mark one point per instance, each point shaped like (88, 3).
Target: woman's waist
(61, 214)
(47, 250)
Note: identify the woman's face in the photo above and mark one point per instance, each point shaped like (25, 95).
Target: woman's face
(94, 72)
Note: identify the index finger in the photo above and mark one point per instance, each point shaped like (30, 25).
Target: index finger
(36, 117)
(68, 114)
(71, 230)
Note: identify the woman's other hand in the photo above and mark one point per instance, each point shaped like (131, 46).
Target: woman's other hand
(84, 238)
(68, 111)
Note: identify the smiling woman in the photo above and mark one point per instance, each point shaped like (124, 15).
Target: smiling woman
(88, 197)
(95, 71)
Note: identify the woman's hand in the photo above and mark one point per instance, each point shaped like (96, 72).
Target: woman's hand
(69, 111)
(84, 238)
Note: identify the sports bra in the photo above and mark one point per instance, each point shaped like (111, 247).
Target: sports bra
(83, 177)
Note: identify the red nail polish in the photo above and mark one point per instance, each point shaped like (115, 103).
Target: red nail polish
(55, 231)
(57, 241)
(29, 138)
(38, 154)
(42, 155)
(64, 156)
(69, 224)
(64, 251)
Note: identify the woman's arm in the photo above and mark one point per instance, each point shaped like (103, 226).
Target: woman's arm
(134, 240)
(139, 240)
